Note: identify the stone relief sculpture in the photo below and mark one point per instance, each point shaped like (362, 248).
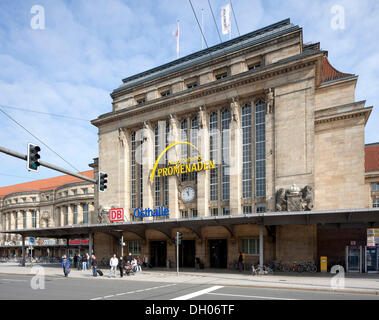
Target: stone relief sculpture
(45, 218)
(202, 118)
(234, 106)
(102, 215)
(270, 100)
(294, 199)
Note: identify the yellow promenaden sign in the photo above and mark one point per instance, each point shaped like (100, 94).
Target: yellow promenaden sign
(181, 166)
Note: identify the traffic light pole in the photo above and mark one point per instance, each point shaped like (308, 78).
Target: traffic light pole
(177, 253)
(47, 165)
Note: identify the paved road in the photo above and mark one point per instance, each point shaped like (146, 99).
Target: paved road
(19, 287)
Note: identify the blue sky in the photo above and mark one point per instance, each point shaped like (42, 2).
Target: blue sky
(88, 46)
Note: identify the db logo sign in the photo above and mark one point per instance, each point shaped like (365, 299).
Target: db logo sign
(116, 215)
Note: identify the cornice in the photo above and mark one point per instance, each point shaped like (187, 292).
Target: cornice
(213, 87)
(364, 112)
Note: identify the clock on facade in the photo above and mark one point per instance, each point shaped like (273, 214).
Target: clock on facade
(188, 194)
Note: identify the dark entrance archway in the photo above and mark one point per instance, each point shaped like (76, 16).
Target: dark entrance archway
(218, 253)
(187, 252)
(158, 253)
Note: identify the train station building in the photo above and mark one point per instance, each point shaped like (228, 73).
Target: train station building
(255, 145)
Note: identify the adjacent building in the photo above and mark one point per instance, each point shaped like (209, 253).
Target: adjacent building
(47, 203)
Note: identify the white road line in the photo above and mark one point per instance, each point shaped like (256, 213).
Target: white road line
(243, 296)
(131, 292)
(198, 293)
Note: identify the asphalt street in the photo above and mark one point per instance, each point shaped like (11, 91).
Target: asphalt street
(60, 288)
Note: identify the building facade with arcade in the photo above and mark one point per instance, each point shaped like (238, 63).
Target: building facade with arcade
(260, 126)
(43, 204)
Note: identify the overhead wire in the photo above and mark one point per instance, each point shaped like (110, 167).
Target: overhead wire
(19, 124)
(218, 32)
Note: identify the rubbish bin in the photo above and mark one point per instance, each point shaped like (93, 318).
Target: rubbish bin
(324, 264)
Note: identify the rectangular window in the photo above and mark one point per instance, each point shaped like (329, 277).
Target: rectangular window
(222, 75)
(260, 208)
(254, 66)
(214, 212)
(225, 135)
(226, 211)
(193, 213)
(24, 219)
(166, 93)
(85, 191)
(247, 210)
(75, 209)
(213, 150)
(85, 213)
(375, 187)
(74, 192)
(191, 85)
(134, 247)
(34, 219)
(16, 220)
(375, 203)
(141, 101)
(250, 246)
(184, 214)
(260, 149)
(246, 153)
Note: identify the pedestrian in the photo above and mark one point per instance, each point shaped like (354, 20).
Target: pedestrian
(79, 262)
(65, 265)
(88, 260)
(121, 266)
(139, 263)
(113, 263)
(84, 262)
(130, 258)
(240, 260)
(75, 260)
(94, 265)
(145, 261)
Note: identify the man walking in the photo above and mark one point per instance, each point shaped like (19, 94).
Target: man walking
(113, 263)
(121, 265)
(94, 265)
(84, 263)
(65, 265)
(79, 261)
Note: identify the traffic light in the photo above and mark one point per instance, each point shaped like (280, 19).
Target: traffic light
(33, 157)
(179, 237)
(102, 181)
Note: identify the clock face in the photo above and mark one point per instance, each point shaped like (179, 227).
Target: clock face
(188, 194)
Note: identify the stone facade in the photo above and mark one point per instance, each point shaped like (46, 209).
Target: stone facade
(313, 137)
(67, 204)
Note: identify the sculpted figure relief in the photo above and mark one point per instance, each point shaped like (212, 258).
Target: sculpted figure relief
(294, 199)
(102, 215)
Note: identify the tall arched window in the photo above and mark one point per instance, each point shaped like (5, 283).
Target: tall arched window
(246, 152)
(260, 149)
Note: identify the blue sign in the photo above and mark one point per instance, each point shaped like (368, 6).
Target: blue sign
(31, 240)
(161, 211)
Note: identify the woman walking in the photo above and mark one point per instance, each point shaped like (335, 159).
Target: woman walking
(65, 265)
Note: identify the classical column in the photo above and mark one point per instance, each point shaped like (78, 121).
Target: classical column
(203, 176)
(270, 145)
(80, 213)
(91, 213)
(28, 219)
(70, 215)
(148, 164)
(173, 155)
(12, 219)
(124, 169)
(235, 162)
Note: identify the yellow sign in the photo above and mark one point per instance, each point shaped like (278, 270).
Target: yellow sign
(181, 166)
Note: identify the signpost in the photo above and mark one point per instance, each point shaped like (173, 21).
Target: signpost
(178, 242)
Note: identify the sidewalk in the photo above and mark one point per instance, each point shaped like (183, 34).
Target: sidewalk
(354, 283)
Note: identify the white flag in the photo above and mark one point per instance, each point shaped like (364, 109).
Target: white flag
(225, 19)
(176, 34)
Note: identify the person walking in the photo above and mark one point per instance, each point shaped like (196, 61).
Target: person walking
(88, 260)
(113, 263)
(79, 262)
(65, 266)
(75, 260)
(94, 265)
(240, 261)
(84, 262)
(121, 266)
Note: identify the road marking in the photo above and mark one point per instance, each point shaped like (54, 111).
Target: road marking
(131, 292)
(198, 293)
(243, 296)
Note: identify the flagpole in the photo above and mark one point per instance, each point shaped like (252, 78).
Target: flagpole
(230, 8)
(202, 28)
(178, 42)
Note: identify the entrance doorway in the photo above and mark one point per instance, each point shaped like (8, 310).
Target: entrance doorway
(158, 253)
(218, 253)
(187, 254)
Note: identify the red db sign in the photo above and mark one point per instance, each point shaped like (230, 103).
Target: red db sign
(116, 215)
